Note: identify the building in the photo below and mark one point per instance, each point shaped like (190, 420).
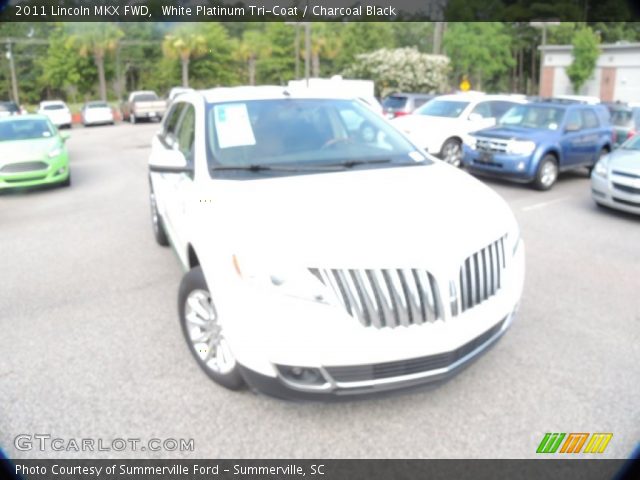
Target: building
(616, 77)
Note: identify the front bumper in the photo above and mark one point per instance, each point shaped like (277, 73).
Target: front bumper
(502, 165)
(446, 366)
(616, 192)
(57, 172)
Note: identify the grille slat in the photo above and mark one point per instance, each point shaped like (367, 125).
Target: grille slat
(481, 274)
(626, 188)
(23, 167)
(491, 144)
(385, 297)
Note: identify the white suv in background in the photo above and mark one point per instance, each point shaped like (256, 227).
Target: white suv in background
(57, 111)
(443, 124)
(324, 254)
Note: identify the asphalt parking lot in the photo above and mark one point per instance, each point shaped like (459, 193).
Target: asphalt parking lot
(90, 345)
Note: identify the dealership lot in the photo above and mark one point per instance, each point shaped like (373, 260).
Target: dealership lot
(91, 345)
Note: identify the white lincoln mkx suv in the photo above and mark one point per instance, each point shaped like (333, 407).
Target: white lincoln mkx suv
(325, 254)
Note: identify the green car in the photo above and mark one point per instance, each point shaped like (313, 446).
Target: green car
(32, 152)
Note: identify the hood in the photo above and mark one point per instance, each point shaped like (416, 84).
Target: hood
(514, 133)
(27, 150)
(402, 217)
(625, 160)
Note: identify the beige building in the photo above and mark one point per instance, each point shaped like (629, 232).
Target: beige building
(616, 77)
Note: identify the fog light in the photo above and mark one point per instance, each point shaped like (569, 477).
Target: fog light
(521, 165)
(302, 376)
(60, 171)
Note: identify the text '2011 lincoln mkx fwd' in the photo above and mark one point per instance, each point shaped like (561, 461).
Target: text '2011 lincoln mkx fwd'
(325, 254)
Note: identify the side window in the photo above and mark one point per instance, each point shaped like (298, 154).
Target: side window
(186, 132)
(574, 119)
(499, 108)
(589, 119)
(482, 109)
(419, 101)
(171, 123)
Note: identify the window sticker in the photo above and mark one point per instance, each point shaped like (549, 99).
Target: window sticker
(233, 126)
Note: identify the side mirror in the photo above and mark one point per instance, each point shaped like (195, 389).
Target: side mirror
(572, 127)
(169, 161)
(65, 136)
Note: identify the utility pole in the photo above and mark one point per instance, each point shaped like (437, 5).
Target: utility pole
(297, 27)
(14, 78)
(438, 32)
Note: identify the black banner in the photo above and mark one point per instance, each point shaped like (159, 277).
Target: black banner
(318, 10)
(544, 469)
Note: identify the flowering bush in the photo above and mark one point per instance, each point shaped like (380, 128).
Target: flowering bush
(401, 69)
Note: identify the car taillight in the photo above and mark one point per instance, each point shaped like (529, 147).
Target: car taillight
(631, 134)
(400, 113)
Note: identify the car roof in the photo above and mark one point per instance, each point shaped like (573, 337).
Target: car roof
(246, 93)
(478, 96)
(52, 102)
(408, 94)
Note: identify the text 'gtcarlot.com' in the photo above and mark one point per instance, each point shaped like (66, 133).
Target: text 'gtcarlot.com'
(44, 442)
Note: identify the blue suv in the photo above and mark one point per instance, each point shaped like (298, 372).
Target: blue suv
(533, 142)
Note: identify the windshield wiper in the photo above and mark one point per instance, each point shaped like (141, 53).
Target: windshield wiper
(354, 163)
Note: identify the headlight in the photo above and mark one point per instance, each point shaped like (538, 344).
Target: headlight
(291, 281)
(602, 167)
(55, 152)
(519, 147)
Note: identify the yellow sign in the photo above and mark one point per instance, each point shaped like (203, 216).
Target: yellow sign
(465, 86)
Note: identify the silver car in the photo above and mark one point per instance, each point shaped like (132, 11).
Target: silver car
(615, 179)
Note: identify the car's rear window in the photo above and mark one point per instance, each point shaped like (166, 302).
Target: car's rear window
(145, 97)
(9, 107)
(394, 102)
(56, 106)
(98, 105)
(622, 118)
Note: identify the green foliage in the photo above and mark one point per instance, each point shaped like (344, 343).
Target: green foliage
(279, 67)
(362, 37)
(480, 51)
(586, 50)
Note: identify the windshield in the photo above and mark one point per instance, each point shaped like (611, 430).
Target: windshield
(33, 128)
(55, 106)
(442, 108)
(533, 116)
(632, 144)
(145, 97)
(394, 102)
(302, 132)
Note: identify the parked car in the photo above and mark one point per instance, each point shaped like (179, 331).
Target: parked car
(57, 111)
(441, 125)
(615, 180)
(626, 122)
(398, 104)
(97, 113)
(533, 143)
(9, 108)
(309, 274)
(32, 152)
(143, 105)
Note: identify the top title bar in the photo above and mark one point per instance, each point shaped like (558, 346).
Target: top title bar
(317, 10)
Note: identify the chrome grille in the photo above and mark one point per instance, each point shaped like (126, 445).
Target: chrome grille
(385, 297)
(626, 188)
(491, 144)
(481, 276)
(24, 167)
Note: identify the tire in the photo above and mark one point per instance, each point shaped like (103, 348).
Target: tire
(547, 173)
(159, 232)
(451, 152)
(212, 353)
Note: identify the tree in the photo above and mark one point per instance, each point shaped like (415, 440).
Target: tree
(402, 69)
(96, 39)
(481, 51)
(184, 43)
(586, 50)
(249, 49)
